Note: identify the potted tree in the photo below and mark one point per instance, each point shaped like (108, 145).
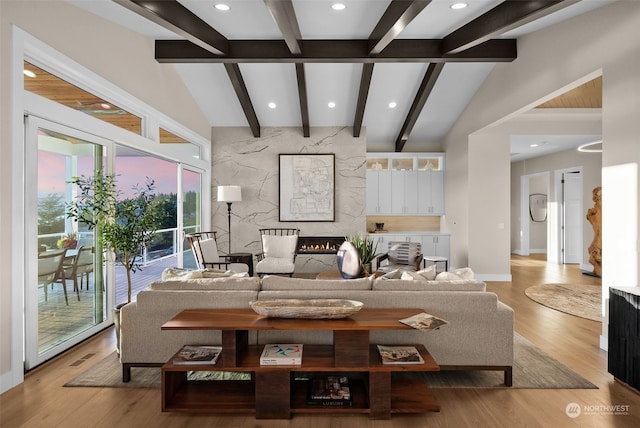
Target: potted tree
(123, 226)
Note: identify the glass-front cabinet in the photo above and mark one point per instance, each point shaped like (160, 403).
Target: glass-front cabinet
(405, 184)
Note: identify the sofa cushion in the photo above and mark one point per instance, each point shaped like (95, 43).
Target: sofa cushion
(275, 265)
(391, 274)
(464, 273)
(280, 247)
(273, 282)
(423, 285)
(224, 283)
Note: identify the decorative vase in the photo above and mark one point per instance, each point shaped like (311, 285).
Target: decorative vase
(348, 259)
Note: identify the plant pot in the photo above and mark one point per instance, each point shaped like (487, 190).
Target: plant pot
(116, 323)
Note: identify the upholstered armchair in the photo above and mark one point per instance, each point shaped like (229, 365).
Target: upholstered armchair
(401, 255)
(205, 250)
(279, 251)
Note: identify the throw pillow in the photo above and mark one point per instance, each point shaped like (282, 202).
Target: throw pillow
(447, 276)
(408, 276)
(281, 247)
(464, 273)
(394, 274)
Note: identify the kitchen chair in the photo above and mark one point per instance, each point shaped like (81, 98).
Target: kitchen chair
(279, 251)
(81, 267)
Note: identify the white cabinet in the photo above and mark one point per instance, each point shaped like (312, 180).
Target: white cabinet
(398, 184)
(378, 192)
(436, 245)
(430, 192)
(404, 192)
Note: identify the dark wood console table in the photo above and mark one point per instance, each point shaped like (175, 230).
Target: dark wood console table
(273, 391)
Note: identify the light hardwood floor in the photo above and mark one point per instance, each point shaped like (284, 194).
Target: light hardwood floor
(42, 401)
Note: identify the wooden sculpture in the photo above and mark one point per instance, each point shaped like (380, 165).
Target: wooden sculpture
(594, 215)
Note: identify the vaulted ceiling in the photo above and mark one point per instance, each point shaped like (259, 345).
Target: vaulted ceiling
(282, 62)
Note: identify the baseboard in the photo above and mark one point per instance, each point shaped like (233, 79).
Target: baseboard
(493, 277)
(8, 381)
(520, 252)
(538, 251)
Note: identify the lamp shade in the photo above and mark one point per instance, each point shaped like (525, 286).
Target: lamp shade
(229, 194)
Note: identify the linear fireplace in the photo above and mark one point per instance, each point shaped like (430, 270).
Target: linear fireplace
(319, 244)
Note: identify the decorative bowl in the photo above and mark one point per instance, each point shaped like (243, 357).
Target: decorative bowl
(308, 308)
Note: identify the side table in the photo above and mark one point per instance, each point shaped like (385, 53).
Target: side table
(246, 258)
(435, 260)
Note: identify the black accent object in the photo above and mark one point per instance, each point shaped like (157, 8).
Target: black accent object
(246, 258)
(624, 335)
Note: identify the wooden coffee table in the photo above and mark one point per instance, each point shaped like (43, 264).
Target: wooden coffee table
(272, 393)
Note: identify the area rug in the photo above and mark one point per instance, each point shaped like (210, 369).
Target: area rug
(533, 369)
(581, 300)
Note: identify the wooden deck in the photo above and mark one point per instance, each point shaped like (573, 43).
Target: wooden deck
(57, 322)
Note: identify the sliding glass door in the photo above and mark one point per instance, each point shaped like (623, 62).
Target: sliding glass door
(66, 292)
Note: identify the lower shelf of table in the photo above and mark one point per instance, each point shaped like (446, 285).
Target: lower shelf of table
(407, 396)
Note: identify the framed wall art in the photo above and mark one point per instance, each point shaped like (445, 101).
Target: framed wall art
(307, 187)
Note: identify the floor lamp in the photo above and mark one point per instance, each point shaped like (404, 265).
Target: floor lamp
(229, 194)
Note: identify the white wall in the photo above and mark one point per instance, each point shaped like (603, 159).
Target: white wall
(549, 62)
(591, 164)
(113, 52)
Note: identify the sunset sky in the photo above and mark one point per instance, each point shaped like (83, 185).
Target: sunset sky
(129, 171)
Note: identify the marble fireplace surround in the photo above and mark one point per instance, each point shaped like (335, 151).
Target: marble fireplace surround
(238, 158)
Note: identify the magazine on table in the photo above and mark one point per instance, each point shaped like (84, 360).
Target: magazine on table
(329, 390)
(399, 355)
(424, 321)
(197, 354)
(276, 354)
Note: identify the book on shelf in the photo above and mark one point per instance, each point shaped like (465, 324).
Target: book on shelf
(276, 354)
(197, 354)
(399, 355)
(329, 390)
(424, 321)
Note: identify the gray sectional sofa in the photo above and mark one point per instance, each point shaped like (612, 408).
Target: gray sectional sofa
(479, 335)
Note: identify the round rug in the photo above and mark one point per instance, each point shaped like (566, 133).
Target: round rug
(581, 300)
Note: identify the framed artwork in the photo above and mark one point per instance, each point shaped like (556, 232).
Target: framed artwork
(307, 187)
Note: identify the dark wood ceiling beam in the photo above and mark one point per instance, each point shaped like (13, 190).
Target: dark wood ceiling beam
(333, 51)
(176, 18)
(502, 18)
(428, 82)
(284, 14)
(398, 15)
(233, 70)
(302, 95)
(365, 82)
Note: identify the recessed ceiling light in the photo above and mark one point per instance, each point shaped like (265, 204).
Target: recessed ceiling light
(392, 104)
(457, 6)
(222, 6)
(272, 105)
(29, 73)
(105, 106)
(331, 104)
(533, 145)
(338, 6)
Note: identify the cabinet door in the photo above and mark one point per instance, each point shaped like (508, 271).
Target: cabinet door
(443, 246)
(411, 192)
(437, 192)
(397, 192)
(372, 192)
(431, 192)
(384, 192)
(378, 192)
(429, 245)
